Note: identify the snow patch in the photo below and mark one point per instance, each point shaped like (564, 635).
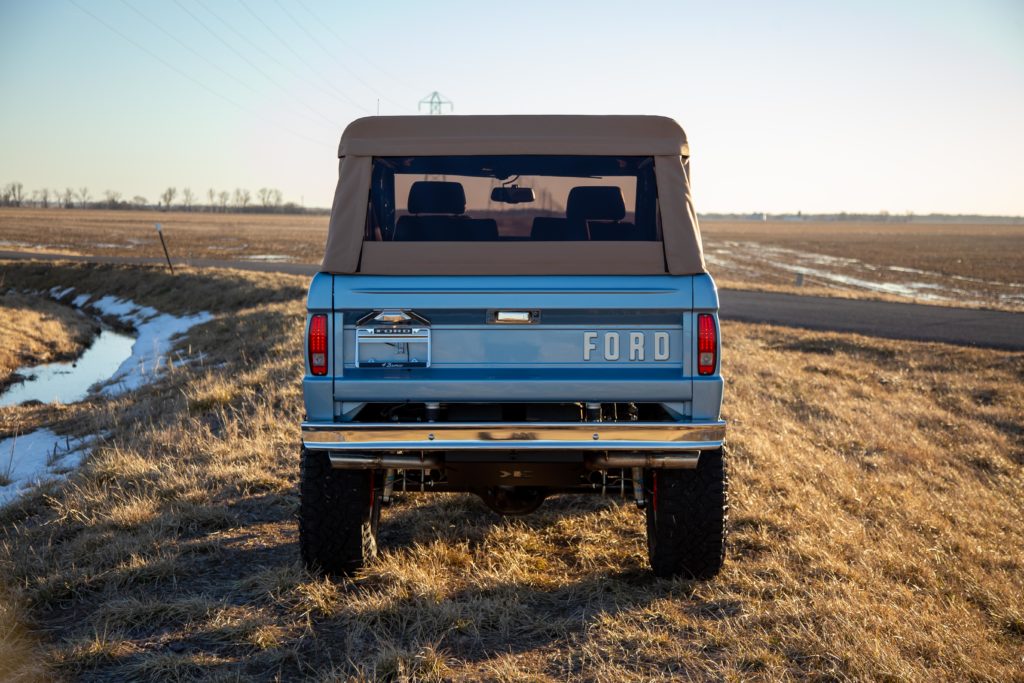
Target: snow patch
(28, 460)
(268, 258)
(156, 334)
(58, 293)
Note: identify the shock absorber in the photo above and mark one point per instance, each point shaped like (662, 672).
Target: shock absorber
(638, 487)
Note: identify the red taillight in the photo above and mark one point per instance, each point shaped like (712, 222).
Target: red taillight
(318, 344)
(707, 344)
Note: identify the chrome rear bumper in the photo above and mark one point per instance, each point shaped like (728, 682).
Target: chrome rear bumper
(524, 436)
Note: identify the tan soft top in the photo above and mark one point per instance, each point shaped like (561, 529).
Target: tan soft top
(680, 253)
(471, 135)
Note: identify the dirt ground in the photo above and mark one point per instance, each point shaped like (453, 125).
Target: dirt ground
(876, 498)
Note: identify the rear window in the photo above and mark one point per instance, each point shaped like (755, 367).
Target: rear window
(513, 198)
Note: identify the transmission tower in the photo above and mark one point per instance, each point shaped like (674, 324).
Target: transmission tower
(436, 103)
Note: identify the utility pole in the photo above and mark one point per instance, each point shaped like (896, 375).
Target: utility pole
(436, 103)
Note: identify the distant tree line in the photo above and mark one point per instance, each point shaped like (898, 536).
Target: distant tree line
(266, 200)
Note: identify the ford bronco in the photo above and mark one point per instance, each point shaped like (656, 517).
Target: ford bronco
(513, 306)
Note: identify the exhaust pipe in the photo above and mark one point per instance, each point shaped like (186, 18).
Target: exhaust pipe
(686, 460)
(384, 461)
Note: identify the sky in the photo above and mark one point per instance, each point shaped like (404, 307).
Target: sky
(894, 105)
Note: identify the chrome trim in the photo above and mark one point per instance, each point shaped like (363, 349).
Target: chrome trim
(529, 436)
(513, 317)
(390, 315)
(390, 336)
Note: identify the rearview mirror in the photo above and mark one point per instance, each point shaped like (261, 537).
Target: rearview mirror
(513, 194)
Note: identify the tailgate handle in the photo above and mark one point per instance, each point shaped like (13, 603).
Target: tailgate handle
(516, 317)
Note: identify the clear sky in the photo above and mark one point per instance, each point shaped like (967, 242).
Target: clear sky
(819, 106)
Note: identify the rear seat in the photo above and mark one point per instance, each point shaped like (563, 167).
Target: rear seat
(612, 231)
(437, 213)
(556, 229)
(597, 211)
(443, 202)
(481, 230)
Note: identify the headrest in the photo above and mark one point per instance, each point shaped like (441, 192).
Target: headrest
(432, 196)
(598, 203)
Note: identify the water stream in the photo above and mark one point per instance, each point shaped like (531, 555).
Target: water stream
(70, 381)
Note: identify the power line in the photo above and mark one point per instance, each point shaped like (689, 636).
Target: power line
(186, 46)
(192, 50)
(300, 58)
(325, 25)
(335, 59)
(185, 75)
(249, 61)
(259, 48)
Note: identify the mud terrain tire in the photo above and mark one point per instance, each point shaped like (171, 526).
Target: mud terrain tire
(687, 511)
(339, 511)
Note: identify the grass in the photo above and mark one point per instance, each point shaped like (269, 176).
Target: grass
(978, 265)
(18, 651)
(877, 493)
(226, 236)
(7, 464)
(36, 330)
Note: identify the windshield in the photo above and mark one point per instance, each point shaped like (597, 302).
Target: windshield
(513, 198)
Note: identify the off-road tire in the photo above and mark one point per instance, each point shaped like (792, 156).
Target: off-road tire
(339, 511)
(687, 511)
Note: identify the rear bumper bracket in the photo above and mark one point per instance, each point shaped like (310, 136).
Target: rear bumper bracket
(524, 436)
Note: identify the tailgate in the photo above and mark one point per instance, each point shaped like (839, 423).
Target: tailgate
(522, 338)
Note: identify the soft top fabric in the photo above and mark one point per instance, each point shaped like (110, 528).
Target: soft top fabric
(435, 196)
(463, 135)
(598, 203)
(680, 253)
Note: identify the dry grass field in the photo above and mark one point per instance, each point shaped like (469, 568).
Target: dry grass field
(938, 263)
(35, 331)
(224, 236)
(875, 520)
